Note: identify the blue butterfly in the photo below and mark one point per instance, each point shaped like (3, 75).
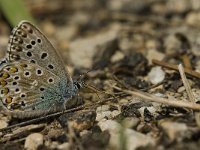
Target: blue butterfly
(33, 79)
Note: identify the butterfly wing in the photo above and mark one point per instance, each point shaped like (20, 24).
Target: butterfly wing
(28, 43)
(26, 87)
(33, 76)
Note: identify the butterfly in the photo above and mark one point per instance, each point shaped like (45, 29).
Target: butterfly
(33, 79)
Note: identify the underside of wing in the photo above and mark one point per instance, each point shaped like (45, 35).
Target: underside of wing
(22, 85)
(28, 43)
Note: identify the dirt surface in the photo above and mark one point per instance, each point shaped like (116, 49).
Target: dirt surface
(128, 52)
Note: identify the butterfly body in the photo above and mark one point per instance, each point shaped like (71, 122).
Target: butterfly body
(33, 79)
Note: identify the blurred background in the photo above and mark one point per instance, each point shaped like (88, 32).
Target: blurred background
(87, 32)
(117, 40)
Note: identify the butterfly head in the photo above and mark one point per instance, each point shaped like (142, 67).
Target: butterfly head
(78, 84)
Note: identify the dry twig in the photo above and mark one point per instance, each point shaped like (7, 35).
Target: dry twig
(152, 98)
(175, 67)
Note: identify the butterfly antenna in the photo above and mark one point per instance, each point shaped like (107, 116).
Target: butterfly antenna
(92, 88)
(80, 78)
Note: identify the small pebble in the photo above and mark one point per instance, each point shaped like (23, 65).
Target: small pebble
(64, 146)
(3, 124)
(154, 54)
(115, 113)
(181, 89)
(130, 122)
(103, 108)
(156, 75)
(103, 114)
(33, 141)
(174, 130)
(134, 139)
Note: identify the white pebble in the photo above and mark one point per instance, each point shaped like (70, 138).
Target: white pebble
(134, 139)
(156, 75)
(33, 141)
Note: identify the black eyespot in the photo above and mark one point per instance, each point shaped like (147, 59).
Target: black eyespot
(33, 61)
(29, 46)
(50, 66)
(39, 71)
(33, 42)
(39, 40)
(22, 95)
(29, 54)
(50, 80)
(42, 97)
(41, 89)
(44, 55)
(27, 73)
(16, 90)
(14, 83)
(16, 78)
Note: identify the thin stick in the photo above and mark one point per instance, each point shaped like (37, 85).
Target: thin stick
(186, 84)
(56, 114)
(152, 98)
(175, 67)
(40, 118)
(189, 92)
